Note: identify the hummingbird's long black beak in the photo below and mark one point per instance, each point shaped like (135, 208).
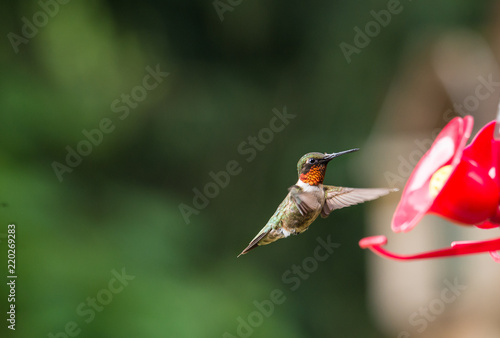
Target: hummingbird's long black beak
(331, 156)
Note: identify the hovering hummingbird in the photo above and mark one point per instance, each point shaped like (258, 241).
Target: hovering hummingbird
(309, 198)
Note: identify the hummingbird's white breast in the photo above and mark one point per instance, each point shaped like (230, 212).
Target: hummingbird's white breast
(317, 190)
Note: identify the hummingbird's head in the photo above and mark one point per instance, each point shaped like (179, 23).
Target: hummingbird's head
(312, 166)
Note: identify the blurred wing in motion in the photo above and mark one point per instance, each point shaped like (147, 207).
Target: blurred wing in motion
(340, 197)
(304, 201)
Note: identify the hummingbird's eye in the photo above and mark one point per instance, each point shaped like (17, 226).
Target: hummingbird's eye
(312, 160)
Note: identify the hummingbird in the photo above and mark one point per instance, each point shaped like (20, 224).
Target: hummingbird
(309, 198)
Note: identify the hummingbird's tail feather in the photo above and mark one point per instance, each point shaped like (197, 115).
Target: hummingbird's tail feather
(248, 248)
(254, 243)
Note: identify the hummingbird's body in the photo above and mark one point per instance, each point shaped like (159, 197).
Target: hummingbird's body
(288, 220)
(308, 199)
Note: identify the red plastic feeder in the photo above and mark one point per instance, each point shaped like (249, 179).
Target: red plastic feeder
(456, 182)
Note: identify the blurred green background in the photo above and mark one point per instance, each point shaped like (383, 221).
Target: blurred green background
(119, 208)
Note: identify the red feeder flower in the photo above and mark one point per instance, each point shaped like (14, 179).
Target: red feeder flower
(455, 182)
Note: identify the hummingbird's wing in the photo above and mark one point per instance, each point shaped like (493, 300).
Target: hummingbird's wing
(340, 197)
(305, 201)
